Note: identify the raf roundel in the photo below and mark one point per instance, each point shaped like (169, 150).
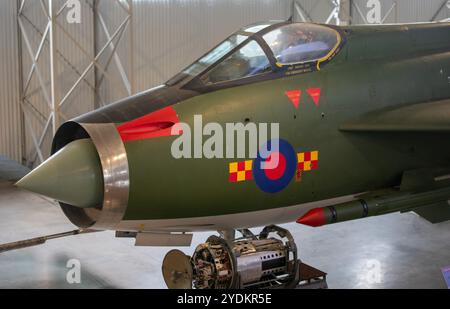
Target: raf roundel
(273, 180)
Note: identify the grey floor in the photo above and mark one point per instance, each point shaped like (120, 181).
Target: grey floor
(395, 251)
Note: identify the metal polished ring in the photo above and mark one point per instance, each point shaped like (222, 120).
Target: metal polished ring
(114, 161)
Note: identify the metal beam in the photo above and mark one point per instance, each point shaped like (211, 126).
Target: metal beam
(339, 10)
(26, 39)
(394, 5)
(23, 147)
(345, 9)
(51, 89)
(54, 67)
(441, 7)
(91, 65)
(301, 12)
(131, 54)
(117, 60)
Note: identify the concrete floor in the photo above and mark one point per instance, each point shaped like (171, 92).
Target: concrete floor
(408, 251)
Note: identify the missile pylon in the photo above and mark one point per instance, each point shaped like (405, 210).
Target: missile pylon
(374, 206)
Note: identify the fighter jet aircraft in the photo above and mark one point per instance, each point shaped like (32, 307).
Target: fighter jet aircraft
(363, 115)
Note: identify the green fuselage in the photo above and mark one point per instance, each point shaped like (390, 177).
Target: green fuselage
(377, 68)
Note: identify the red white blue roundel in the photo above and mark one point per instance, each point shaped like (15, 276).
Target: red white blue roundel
(274, 170)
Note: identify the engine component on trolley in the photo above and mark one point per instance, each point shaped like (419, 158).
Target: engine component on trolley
(248, 262)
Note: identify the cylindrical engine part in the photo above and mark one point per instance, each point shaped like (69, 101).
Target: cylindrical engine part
(253, 267)
(250, 262)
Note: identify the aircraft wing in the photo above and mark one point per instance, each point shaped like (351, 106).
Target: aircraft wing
(435, 213)
(11, 170)
(422, 117)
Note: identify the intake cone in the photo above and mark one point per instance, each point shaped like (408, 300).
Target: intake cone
(73, 176)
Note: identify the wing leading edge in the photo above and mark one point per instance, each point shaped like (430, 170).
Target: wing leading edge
(422, 117)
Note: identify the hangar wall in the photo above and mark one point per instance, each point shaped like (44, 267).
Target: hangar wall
(401, 11)
(365, 11)
(10, 115)
(71, 58)
(163, 37)
(169, 35)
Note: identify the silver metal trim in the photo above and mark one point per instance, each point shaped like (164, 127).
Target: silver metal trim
(163, 240)
(116, 175)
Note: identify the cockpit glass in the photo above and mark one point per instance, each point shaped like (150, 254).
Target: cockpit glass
(299, 43)
(248, 61)
(257, 28)
(217, 53)
(254, 28)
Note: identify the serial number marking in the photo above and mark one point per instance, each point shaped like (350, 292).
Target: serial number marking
(246, 299)
(226, 299)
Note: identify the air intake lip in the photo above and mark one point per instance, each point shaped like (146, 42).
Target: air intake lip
(114, 162)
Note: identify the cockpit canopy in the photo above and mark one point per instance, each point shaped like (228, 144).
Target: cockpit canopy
(262, 48)
(299, 43)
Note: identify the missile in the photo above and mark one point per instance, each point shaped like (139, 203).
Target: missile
(375, 205)
(73, 176)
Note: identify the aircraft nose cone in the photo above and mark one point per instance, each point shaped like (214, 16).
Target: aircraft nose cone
(72, 176)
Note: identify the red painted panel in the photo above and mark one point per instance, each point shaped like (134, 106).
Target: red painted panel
(277, 172)
(307, 156)
(241, 166)
(248, 175)
(154, 125)
(294, 96)
(233, 177)
(315, 94)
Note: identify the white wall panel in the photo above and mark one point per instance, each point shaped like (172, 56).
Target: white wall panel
(10, 124)
(163, 38)
(170, 34)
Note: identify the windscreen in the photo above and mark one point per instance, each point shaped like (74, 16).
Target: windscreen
(213, 56)
(250, 60)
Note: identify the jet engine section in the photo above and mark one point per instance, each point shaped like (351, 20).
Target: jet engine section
(256, 262)
(107, 167)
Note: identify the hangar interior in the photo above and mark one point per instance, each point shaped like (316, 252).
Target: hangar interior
(58, 64)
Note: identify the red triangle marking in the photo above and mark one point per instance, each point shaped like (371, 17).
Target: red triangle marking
(294, 96)
(315, 95)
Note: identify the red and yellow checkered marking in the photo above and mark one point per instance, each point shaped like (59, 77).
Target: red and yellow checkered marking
(308, 161)
(241, 171)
